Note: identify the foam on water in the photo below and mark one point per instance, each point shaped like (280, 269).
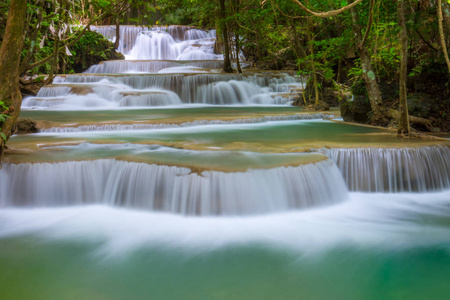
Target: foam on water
(366, 220)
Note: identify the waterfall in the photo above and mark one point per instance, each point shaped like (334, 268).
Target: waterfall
(162, 42)
(155, 45)
(188, 85)
(129, 66)
(234, 92)
(53, 91)
(171, 189)
(151, 97)
(129, 33)
(393, 170)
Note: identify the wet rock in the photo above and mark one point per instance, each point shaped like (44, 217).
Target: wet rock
(321, 106)
(355, 109)
(26, 126)
(330, 96)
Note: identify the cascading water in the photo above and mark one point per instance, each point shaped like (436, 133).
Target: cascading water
(169, 50)
(160, 42)
(114, 214)
(191, 88)
(393, 170)
(128, 34)
(130, 66)
(171, 189)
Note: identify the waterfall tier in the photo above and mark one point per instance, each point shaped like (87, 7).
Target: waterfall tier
(163, 42)
(148, 66)
(108, 90)
(393, 170)
(171, 189)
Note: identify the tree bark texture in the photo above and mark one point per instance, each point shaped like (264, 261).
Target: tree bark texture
(442, 34)
(368, 73)
(117, 41)
(403, 122)
(236, 4)
(312, 63)
(9, 65)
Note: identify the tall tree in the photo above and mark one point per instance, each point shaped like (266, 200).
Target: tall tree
(368, 72)
(441, 32)
(223, 26)
(403, 122)
(9, 67)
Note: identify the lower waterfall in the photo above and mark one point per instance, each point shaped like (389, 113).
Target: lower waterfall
(393, 170)
(171, 189)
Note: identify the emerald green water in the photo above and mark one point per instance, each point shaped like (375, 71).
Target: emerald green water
(374, 246)
(153, 154)
(369, 246)
(275, 136)
(152, 114)
(34, 269)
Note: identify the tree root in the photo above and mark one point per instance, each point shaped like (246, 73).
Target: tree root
(423, 123)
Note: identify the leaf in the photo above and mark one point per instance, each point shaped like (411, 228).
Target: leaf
(3, 136)
(41, 44)
(68, 53)
(52, 29)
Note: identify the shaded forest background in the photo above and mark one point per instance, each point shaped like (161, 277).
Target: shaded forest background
(383, 62)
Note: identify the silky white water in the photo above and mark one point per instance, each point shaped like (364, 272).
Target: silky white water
(105, 91)
(160, 42)
(149, 66)
(89, 210)
(171, 189)
(393, 169)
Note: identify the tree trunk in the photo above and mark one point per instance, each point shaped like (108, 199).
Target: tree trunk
(238, 64)
(403, 122)
(227, 63)
(312, 63)
(117, 42)
(9, 65)
(54, 65)
(236, 4)
(368, 73)
(297, 47)
(442, 34)
(446, 17)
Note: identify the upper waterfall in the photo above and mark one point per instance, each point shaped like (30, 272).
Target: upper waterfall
(163, 42)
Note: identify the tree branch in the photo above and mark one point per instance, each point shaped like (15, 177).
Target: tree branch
(369, 24)
(286, 15)
(441, 34)
(328, 13)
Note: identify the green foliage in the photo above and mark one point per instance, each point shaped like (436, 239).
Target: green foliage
(90, 49)
(3, 118)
